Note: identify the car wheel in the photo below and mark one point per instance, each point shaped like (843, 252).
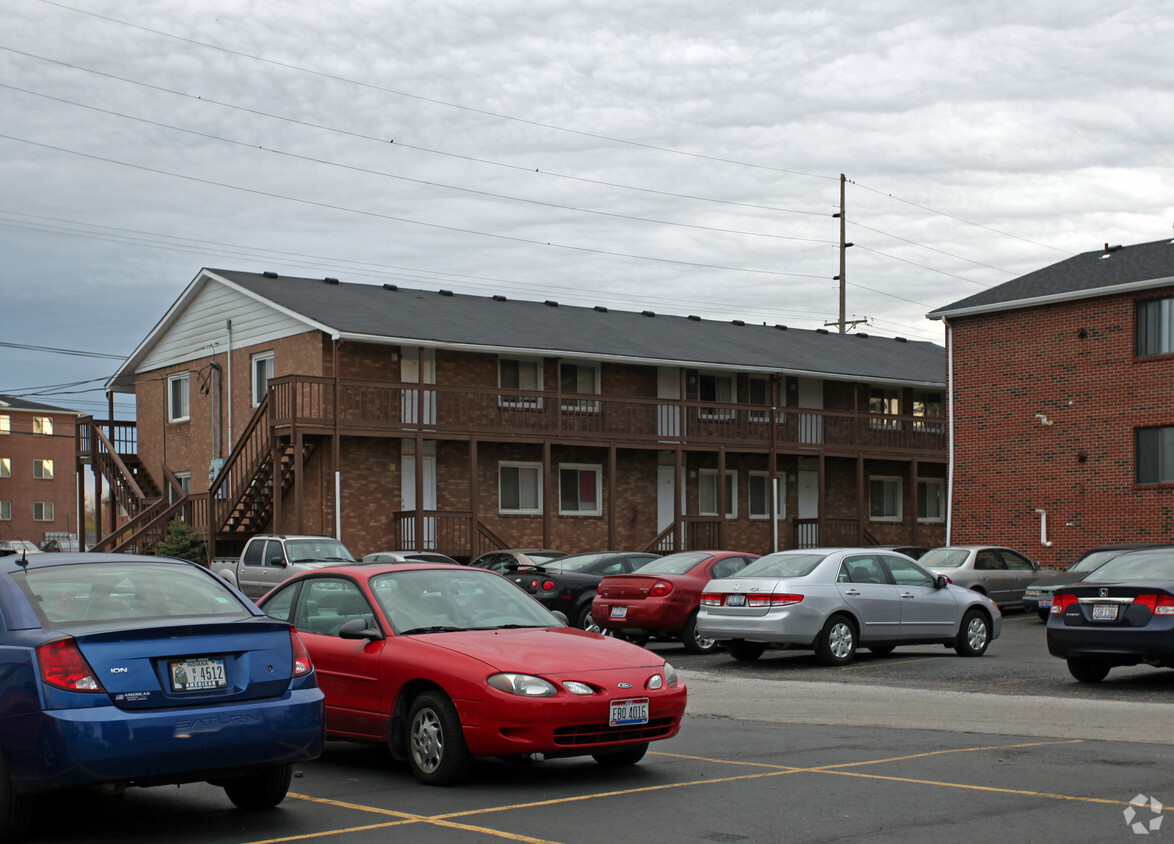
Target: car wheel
(621, 758)
(260, 791)
(584, 621)
(16, 810)
(1088, 670)
(437, 751)
(744, 651)
(881, 650)
(636, 638)
(836, 644)
(973, 635)
(693, 641)
(1043, 615)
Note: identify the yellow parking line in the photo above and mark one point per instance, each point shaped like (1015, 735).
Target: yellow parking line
(884, 663)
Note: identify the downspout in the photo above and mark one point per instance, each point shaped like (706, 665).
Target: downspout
(228, 358)
(1043, 528)
(338, 444)
(950, 430)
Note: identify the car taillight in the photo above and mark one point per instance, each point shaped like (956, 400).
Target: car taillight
(777, 599)
(302, 665)
(712, 599)
(1157, 604)
(62, 665)
(660, 589)
(1062, 601)
(547, 585)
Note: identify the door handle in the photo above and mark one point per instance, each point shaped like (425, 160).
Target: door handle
(906, 594)
(852, 592)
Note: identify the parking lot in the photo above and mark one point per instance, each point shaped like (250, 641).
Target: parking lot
(921, 745)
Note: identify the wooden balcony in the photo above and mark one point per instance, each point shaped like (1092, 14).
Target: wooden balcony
(371, 408)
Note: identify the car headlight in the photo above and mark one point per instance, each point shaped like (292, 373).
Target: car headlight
(1031, 593)
(670, 675)
(525, 685)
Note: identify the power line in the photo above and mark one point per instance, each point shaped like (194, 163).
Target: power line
(58, 351)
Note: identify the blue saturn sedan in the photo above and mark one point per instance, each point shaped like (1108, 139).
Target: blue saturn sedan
(133, 670)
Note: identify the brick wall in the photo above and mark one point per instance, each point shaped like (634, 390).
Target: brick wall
(1074, 364)
(22, 447)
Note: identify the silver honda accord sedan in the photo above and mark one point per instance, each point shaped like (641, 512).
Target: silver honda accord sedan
(832, 600)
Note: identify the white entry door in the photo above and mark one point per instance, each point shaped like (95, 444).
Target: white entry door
(408, 496)
(666, 486)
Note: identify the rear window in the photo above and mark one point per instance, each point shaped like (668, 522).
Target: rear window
(783, 565)
(121, 591)
(674, 563)
(1140, 565)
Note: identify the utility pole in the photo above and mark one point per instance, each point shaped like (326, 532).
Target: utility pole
(843, 323)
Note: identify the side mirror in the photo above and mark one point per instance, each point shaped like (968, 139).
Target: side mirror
(277, 562)
(941, 581)
(357, 628)
(561, 616)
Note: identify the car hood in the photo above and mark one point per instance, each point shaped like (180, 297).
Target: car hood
(542, 650)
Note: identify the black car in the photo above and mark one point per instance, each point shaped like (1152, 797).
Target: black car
(569, 583)
(1120, 614)
(1037, 597)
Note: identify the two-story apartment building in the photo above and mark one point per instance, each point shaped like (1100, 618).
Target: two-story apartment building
(39, 495)
(1062, 404)
(402, 418)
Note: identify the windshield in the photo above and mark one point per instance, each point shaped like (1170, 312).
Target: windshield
(439, 601)
(1141, 565)
(124, 590)
(540, 557)
(783, 565)
(314, 550)
(944, 558)
(675, 563)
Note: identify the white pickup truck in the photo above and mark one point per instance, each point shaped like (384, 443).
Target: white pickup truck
(270, 558)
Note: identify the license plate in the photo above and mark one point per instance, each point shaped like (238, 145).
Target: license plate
(1045, 601)
(624, 712)
(735, 600)
(194, 675)
(619, 612)
(1104, 612)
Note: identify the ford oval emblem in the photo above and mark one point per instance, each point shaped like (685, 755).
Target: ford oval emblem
(625, 685)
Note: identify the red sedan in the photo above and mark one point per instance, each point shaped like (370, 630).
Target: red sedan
(446, 664)
(663, 597)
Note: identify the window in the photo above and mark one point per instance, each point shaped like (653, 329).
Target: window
(178, 390)
(1155, 455)
(519, 487)
(5, 424)
(758, 392)
(885, 402)
(519, 374)
(929, 405)
(43, 511)
(715, 387)
(580, 378)
(43, 469)
(579, 490)
(1154, 328)
(884, 499)
(707, 493)
(5, 467)
(906, 573)
(185, 487)
(931, 500)
(5, 511)
(43, 426)
(262, 374)
(759, 494)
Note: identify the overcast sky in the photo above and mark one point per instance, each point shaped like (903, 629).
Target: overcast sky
(681, 157)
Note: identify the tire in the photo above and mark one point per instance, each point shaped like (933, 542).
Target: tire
(584, 621)
(694, 642)
(437, 751)
(641, 638)
(974, 634)
(1088, 670)
(744, 651)
(1043, 615)
(257, 792)
(836, 643)
(881, 650)
(622, 758)
(16, 810)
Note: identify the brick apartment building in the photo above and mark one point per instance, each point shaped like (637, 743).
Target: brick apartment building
(1062, 400)
(39, 494)
(400, 418)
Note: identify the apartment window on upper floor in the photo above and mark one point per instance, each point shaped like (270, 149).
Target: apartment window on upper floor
(1154, 327)
(884, 499)
(580, 378)
(1155, 455)
(519, 374)
(5, 424)
(930, 405)
(931, 500)
(519, 487)
(42, 511)
(707, 493)
(178, 396)
(715, 387)
(579, 490)
(43, 426)
(758, 392)
(5, 511)
(759, 491)
(884, 401)
(5, 467)
(43, 469)
(262, 375)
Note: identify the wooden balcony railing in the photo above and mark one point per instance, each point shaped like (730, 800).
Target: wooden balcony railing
(370, 407)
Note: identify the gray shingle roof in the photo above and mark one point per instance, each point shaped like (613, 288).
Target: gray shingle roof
(550, 329)
(17, 403)
(1098, 273)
